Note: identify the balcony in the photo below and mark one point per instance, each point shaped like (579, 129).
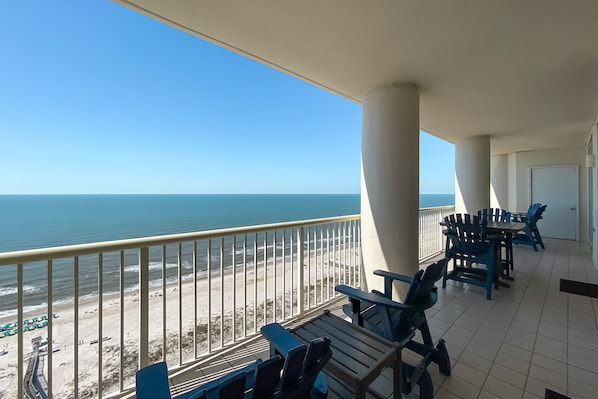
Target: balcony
(527, 338)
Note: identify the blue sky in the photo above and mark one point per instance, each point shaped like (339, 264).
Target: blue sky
(99, 99)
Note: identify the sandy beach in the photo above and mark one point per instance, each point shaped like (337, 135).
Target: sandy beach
(220, 288)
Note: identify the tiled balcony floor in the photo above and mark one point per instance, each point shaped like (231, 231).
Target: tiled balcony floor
(527, 338)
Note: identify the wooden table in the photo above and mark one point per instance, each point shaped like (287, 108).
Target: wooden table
(358, 355)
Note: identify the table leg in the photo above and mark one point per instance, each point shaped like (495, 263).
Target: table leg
(396, 378)
(499, 266)
(509, 255)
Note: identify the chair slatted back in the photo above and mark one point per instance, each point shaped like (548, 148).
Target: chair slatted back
(468, 236)
(152, 382)
(533, 208)
(421, 293)
(293, 366)
(267, 376)
(494, 215)
(234, 387)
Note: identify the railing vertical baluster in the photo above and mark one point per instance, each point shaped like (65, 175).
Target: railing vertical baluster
(76, 329)
(360, 262)
(195, 299)
(308, 292)
(300, 277)
(143, 307)
(180, 294)
(274, 264)
(321, 264)
(100, 322)
(328, 286)
(234, 261)
(221, 292)
(284, 273)
(164, 265)
(50, 328)
(265, 321)
(20, 338)
(334, 280)
(209, 277)
(244, 285)
(354, 252)
(255, 258)
(345, 253)
(121, 338)
(292, 255)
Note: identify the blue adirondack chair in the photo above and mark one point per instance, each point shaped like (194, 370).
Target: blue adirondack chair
(469, 245)
(302, 375)
(256, 381)
(530, 235)
(397, 321)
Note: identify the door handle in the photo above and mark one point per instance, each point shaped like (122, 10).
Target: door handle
(573, 209)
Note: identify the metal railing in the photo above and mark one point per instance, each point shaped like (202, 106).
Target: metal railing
(121, 305)
(112, 307)
(431, 239)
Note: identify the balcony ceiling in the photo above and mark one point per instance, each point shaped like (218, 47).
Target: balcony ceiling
(523, 71)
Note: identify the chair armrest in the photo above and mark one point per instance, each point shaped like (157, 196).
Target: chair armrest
(355, 294)
(281, 340)
(393, 276)
(521, 217)
(389, 277)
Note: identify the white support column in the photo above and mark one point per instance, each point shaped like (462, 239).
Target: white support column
(390, 183)
(472, 174)
(499, 178)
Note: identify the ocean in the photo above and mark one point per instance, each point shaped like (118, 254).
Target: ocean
(40, 221)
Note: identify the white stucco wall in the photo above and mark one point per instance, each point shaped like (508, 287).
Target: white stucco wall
(519, 168)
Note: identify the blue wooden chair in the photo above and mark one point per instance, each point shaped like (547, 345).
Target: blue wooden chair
(255, 381)
(397, 321)
(469, 245)
(530, 235)
(495, 215)
(302, 375)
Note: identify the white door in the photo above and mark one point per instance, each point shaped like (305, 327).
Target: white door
(556, 187)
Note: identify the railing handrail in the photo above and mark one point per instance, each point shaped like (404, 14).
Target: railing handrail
(65, 251)
(436, 208)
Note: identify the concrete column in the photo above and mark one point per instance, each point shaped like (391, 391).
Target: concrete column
(390, 183)
(499, 178)
(472, 174)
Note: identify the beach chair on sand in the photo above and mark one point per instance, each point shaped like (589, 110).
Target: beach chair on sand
(257, 381)
(397, 321)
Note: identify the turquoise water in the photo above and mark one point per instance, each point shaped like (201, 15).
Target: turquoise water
(39, 221)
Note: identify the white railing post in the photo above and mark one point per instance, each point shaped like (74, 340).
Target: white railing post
(144, 307)
(300, 273)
